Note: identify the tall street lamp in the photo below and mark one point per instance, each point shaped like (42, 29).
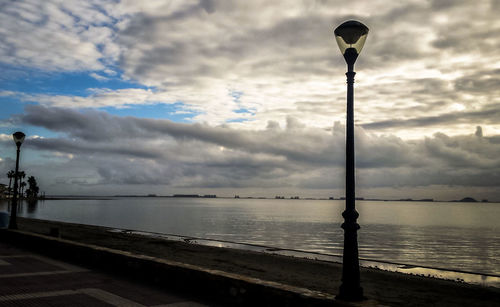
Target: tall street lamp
(18, 139)
(350, 36)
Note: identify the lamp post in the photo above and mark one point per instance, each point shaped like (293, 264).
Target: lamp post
(350, 36)
(18, 139)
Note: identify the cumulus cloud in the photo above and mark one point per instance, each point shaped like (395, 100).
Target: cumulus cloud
(110, 150)
(57, 35)
(294, 53)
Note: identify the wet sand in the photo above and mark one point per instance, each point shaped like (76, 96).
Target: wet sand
(388, 288)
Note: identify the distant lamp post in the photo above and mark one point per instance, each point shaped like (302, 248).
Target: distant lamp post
(18, 139)
(350, 36)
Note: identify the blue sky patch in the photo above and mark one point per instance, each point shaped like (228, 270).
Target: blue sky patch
(243, 110)
(174, 112)
(32, 81)
(236, 95)
(238, 120)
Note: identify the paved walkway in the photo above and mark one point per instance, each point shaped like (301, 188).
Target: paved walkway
(28, 279)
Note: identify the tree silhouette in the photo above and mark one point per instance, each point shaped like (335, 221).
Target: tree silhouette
(23, 185)
(20, 177)
(10, 175)
(33, 189)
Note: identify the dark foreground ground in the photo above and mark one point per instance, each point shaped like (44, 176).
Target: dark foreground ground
(29, 279)
(386, 288)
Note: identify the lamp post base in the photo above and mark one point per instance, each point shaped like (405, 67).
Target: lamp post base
(350, 293)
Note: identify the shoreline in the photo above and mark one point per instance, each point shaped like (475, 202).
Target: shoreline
(389, 288)
(111, 197)
(468, 277)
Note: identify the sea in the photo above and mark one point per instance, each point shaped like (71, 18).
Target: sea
(449, 236)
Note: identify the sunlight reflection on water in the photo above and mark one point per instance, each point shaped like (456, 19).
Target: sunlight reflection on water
(459, 276)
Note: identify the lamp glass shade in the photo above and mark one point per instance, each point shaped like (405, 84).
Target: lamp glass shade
(351, 34)
(18, 137)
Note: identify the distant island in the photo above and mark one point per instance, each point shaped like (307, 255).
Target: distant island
(466, 200)
(469, 200)
(195, 195)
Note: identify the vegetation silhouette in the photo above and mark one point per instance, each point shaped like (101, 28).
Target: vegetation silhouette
(28, 190)
(33, 189)
(23, 185)
(20, 177)
(10, 175)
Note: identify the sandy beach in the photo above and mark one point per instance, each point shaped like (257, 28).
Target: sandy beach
(387, 288)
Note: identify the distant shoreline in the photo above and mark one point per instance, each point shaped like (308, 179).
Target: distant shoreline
(77, 198)
(111, 197)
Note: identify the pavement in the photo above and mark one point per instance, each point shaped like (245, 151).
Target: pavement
(30, 279)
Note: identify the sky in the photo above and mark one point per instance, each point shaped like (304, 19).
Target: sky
(248, 97)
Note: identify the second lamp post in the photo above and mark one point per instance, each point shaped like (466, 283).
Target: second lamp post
(18, 139)
(350, 36)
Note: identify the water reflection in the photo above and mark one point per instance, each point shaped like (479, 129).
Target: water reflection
(26, 207)
(31, 206)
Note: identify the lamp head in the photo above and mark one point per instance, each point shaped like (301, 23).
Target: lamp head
(18, 138)
(351, 36)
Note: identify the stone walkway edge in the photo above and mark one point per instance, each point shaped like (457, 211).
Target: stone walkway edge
(228, 287)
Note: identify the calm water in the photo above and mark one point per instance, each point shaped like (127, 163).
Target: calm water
(457, 236)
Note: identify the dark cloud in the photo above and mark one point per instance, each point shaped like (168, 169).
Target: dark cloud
(208, 5)
(95, 126)
(488, 114)
(479, 131)
(91, 148)
(479, 82)
(266, 44)
(137, 152)
(445, 4)
(394, 42)
(495, 4)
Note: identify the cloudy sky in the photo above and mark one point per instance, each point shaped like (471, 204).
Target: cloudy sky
(248, 97)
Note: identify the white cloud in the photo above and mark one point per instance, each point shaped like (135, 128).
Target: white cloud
(5, 137)
(280, 55)
(289, 64)
(98, 77)
(56, 35)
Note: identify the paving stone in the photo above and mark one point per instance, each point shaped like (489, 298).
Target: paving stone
(28, 279)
